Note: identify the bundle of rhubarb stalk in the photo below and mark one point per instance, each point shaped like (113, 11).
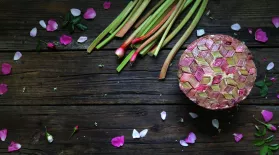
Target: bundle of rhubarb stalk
(152, 31)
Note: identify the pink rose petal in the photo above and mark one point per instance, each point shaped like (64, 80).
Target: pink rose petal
(50, 45)
(261, 36)
(237, 137)
(250, 30)
(267, 115)
(273, 79)
(275, 21)
(191, 138)
(106, 5)
(3, 134)
(65, 40)
(277, 96)
(14, 147)
(6, 68)
(3, 88)
(89, 14)
(117, 141)
(17, 55)
(33, 32)
(52, 25)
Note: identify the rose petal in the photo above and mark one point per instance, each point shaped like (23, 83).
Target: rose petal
(3, 134)
(200, 32)
(183, 143)
(42, 23)
(17, 55)
(14, 147)
(275, 21)
(191, 138)
(89, 14)
(52, 25)
(65, 40)
(270, 66)
(250, 30)
(236, 27)
(3, 88)
(143, 133)
(163, 115)
(273, 79)
(237, 137)
(50, 45)
(267, 115)
(215, 123)
(277, 96)
(106, 5)
(33, 32)
(6, 68)
(135, 134)
(75, 12)
(193, 115)
(82, 39)
(117, 141)
(261, 36)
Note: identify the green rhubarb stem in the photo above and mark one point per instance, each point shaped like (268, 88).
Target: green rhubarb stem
(125, 14)
(181, 24)
(177, 11)
(149, 13)
(116, 22)
(133, 18)
(147, 48)
(182, 40)
(125, 61)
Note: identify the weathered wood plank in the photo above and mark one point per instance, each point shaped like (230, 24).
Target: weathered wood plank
(18, 22)
(79, 80)
(26, 126)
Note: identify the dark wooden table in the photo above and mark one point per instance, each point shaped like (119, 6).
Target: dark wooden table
(118, 103)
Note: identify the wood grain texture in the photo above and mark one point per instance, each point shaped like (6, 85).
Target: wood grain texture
(18, 22)
(163, 136)
(79, 79)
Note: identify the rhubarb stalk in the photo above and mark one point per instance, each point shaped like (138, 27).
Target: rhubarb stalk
(168, 28)
(182, 40)
(116, 22)
(149, 13)
(125, 61)
(153, 37)
(133, 18)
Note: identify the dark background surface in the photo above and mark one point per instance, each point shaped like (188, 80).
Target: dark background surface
(121, 102)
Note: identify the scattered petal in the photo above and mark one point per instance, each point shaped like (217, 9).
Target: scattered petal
(14, 147)
(49, 137)
(118, 141)
(89, 14)
(52, 25)
(237, 137)
(250, 30)
(183, 143)
(215, 123)
(33, 32)
(3, 134)
(6, 68)
(143, 133)
(261, 36)
(65, 40)
(200, 32)
(75, 12)
(193, 115)
(275, 21)
(106, 5)
(191, 138)
(82, 39)
(3, 88)
(42, 23)
(135, 134)
(50, 45)
(17, 55)
(277, 96)
(236, 27)
(270, 66)
(273, 79)
(163, 115)
(267, 115)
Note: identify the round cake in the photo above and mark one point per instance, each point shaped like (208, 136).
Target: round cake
(216, 71)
